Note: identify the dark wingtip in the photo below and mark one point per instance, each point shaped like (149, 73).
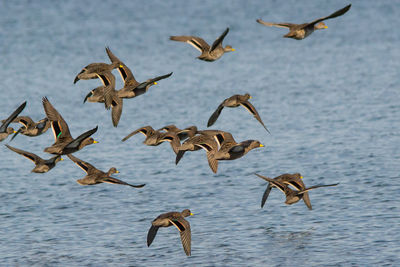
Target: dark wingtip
(76, 79)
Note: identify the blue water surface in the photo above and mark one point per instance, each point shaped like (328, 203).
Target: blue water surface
(331, 102)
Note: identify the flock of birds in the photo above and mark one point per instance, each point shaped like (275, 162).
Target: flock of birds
(218, 144)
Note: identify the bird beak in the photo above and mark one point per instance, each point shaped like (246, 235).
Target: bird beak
(121, 66)
(261, 145)
(155, 83)
(15, 131)
(191, 214)
(61, 159)
(250, 97)
(95, 142)
(301, 177)
(325, 27)
(233, 49)
(117, 171)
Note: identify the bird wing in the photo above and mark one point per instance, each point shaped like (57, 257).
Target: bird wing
(265, 195)
(196, 42)
(279, 25)
(108, 80)
(24, 120)
(85, 166)
(76, 142)
(278, 184)
(112, 180)
(160, 77)
(315, 186)
(151, 234)
(26, 154)
(213, 118)
(5, 124)
(219, 40)
(247, 105)
(124, 71)
(116, 109)
(58, 125)
(333, 15)
(184, 229)
(147, 130)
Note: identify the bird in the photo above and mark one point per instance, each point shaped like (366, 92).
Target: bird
(198, 142)
(132, 88)
(294, 180)
(155, 137)
(292, 196)
(41, 165)
(207, 53)
(5, 131)
(232, 102)
(31, 128)
(64, 143)
(96, 176)
(92, 70)
(176, 219)
(301, 31)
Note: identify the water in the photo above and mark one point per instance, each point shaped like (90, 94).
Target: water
(331, 102)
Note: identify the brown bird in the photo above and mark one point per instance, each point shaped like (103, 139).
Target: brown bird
(31, 128)
(5, 131)
(176, 219)
(132, 88)
(95, 176)
(155, 138)
(292, 196)
(64, 143)
(41, 165)
(301, 31)
(294, 180)
(207, 53)
(233, 102)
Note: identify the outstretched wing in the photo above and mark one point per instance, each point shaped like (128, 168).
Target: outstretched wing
(76, 142)
(315, 186)
(196, 42)
(186, 236)
(16, 112)
(112, 180)
(85, 166)
(26, 154)
(147, 130)
(58, 125)
(333, 15)
(151, 234)
(279, 25)
(124, 71)
(247, 105)
(219, 40)
(213, 118)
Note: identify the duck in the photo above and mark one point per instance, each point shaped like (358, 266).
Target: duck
(236, 101)
(207, 53)
(64, 143)
(176, 219)
(292, 195)
(132, 88)
(41, 165)
(5, 131)
(31, 128)
(295, 180)
(155, 137)
(96, 176)
(301, 31)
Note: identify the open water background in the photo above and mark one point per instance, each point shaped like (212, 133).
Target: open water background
(331, 102)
